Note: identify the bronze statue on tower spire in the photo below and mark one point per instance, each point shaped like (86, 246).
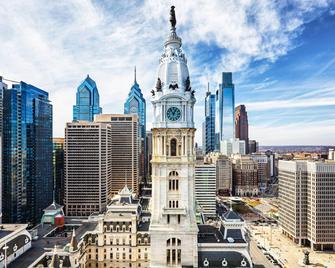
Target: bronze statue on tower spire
(173, 17)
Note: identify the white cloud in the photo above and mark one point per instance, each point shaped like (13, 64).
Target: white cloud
(54, 45)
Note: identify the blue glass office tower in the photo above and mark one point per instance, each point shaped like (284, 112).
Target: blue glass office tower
(87, 101)
(209, 123)
(27, 153)
(135, 104)
(225, 107)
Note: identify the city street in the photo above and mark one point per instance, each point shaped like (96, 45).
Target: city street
(258, 257)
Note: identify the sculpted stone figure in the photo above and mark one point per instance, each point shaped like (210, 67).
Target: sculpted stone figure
(173, 17)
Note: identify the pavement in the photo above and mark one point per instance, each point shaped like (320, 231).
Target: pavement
(258, 258)
(283, 248)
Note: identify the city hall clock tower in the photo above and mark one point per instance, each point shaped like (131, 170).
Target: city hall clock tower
(173, 228)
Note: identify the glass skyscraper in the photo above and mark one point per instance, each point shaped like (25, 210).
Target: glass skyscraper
(135, 104)
(225, 108)
(27, 153)
(3, 86)
(209, 124)
(58, 169)
(87, 101)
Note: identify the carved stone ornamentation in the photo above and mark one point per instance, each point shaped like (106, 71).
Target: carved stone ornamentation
(173, 86)
(159, 85)
(173, 20)
(188, 84)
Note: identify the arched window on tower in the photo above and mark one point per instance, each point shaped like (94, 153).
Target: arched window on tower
(173, 181)
(173, 252)
(173, 147)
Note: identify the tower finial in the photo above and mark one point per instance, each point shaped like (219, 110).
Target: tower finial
(208, 87)
(135, 75)
(173, 20)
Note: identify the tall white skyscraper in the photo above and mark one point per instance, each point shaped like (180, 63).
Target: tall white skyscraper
(173, 227)
(205, 187)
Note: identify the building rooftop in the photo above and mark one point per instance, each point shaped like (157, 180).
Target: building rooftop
(42, 242)
(212, 234)
(231, 215)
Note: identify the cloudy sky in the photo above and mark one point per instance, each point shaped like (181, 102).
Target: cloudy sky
(281, 53)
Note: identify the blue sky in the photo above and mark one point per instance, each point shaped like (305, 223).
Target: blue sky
(281, 53)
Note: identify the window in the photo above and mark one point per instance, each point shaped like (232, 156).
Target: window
(173, 182)
(173, 147)
(173, 252)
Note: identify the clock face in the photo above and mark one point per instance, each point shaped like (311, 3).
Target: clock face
(173, 114)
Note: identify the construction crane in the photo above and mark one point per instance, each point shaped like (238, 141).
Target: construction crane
(8, 80)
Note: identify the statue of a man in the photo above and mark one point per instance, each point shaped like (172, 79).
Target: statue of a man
(173, 17)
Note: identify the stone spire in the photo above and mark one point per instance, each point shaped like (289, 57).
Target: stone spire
(173, 40)
(54, 263)
(73, 243)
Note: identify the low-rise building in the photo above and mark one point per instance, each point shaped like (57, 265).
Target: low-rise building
(245, 177)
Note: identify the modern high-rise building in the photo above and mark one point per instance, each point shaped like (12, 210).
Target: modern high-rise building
(3, 86)
(88, 167)
(87, 101)
(205, 187)
(27, 153)
(58, 169)
(224, 173)
(135, 104)
(331, 154)
(124, 150)
(245, 177)
(149, 155)
(253, 146)
(208, 143)
(263, 169)
(306, 202)
(242, 126)
(225, 109)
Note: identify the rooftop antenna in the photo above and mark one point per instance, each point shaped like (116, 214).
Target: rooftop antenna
(208, 87)
(135, 75)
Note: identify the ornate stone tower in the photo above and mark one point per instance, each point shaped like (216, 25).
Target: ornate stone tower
(173, 227)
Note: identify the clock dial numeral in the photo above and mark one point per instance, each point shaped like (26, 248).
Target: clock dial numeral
(173, 114)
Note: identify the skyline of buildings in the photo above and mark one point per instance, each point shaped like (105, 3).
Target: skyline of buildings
(98, 170)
